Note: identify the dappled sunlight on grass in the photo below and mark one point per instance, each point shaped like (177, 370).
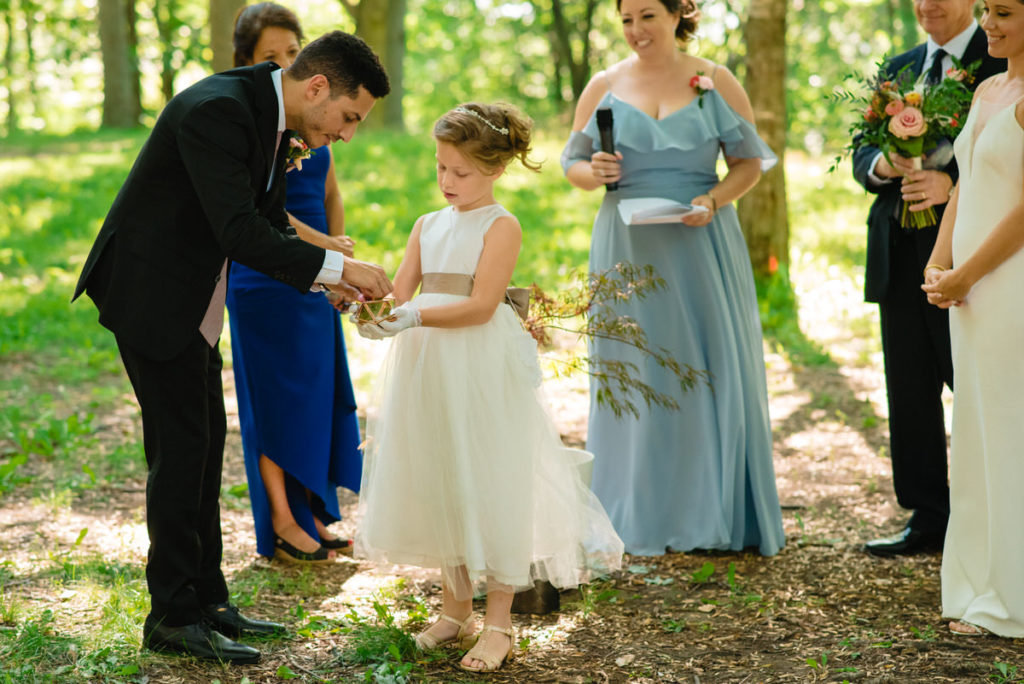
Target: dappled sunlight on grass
(828, 212)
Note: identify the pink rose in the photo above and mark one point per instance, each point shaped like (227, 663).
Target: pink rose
(894, 107)
(705, 83)
(909, 123)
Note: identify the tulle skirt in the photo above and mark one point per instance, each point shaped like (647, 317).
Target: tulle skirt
(464, 471)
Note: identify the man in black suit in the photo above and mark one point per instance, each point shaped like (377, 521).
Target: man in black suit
(208, 188)
(915, 336)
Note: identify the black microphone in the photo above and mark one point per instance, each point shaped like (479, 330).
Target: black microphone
(604, 127)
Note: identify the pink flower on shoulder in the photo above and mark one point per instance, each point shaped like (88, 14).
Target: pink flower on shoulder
(701, 84)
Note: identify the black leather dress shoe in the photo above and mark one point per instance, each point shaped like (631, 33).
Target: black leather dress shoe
(198, 641)
(226, 619)
(907, 542)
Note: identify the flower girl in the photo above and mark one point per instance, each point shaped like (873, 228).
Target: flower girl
(462, 468)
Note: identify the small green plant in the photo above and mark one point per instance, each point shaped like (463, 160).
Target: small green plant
(1005, 673)
(704, 574)
(10, 609)
(730, 578)
(595, 593)
(819, 664)
(926, 634)
(803, 528)
(380, 643)
(673, 626)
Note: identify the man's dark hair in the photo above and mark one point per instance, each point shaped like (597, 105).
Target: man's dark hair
(347, 62)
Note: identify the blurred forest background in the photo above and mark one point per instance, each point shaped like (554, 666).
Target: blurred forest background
(78, 65)
(81, 83)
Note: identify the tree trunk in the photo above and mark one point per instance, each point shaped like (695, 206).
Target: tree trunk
(134, 75)
(222, 26)
(762, 212)
(29, 9)
(121, 105)
(381, 23)
(910, 35)
(12, 101)
(561, 43)
(164, 11)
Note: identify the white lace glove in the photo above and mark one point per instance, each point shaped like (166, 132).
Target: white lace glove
(401, 317)
(368, 330)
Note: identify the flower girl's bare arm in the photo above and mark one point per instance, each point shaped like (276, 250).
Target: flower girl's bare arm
(408, 277)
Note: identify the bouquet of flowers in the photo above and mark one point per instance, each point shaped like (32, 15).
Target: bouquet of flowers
(916, 120)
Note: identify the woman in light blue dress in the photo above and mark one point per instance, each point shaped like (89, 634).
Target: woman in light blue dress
(700, 477)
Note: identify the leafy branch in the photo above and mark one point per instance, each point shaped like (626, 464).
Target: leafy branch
(592, 299)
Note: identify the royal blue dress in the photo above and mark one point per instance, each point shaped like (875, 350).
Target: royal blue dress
(700, 477)
(295, 399)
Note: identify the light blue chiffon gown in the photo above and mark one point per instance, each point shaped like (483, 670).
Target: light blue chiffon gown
(700, 477)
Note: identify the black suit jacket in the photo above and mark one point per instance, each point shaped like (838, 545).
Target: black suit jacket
(197, 194)
(876, 280)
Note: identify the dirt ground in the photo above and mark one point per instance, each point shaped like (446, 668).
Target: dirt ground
(821, 610)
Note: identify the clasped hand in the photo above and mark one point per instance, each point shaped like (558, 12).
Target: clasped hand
(946, 289)
(401, 318)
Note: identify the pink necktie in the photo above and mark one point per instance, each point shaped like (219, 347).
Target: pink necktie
(213, 319)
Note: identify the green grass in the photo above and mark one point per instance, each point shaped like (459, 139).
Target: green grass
(61, 369)
(35, 648)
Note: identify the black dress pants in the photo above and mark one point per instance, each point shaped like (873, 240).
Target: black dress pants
(918, 361)
(183, 425)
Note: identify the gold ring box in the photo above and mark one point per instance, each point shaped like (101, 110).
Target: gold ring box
(374, 310)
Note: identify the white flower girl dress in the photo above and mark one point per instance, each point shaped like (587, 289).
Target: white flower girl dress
(462, 465)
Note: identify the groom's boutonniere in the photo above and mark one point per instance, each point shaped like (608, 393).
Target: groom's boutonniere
(702, 84)
(297, 151)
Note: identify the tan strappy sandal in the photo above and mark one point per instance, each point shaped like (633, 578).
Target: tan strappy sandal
(962, 628)
(490, 663)
(426, 642)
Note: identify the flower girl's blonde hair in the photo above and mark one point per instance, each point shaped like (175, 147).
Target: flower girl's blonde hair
(489, 135)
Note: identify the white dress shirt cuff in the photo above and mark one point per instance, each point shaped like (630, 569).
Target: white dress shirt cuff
(334, 265)
(872, 178)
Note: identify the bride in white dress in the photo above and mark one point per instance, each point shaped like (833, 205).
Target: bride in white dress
(977, 269)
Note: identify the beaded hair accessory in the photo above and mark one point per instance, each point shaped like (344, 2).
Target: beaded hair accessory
(496, 129)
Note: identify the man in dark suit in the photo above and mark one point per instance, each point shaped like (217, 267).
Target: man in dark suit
(208, 188)
(915, 336)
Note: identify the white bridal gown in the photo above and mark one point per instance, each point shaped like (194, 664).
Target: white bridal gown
(982, 581)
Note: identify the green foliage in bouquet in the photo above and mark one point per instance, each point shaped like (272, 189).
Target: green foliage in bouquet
(587, 309)
(904, 114)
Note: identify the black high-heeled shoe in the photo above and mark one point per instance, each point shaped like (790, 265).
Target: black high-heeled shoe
(289, 554)
(338, 544)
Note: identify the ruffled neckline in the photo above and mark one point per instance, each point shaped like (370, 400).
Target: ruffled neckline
(612, 96)
(683, 130)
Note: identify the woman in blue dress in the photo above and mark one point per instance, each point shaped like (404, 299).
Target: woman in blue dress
(300, 435)
(700, 477)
